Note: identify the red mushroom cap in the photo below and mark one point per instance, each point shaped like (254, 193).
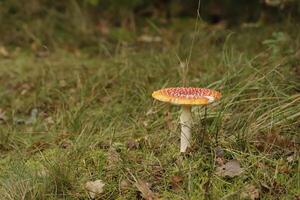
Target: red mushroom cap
(187, 95)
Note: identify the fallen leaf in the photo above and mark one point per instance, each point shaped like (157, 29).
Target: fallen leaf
(232, 168)
(144, 189)
(94, 188)
(250, 192)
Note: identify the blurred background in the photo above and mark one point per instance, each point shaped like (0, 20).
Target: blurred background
(84, 22)
(76, 78)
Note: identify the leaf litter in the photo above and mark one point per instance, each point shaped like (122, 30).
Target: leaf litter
(230, 169)
(94, 188)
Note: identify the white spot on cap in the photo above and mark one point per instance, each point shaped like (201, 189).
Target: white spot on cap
(210, 99)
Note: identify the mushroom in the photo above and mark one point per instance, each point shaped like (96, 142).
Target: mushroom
(186, 97)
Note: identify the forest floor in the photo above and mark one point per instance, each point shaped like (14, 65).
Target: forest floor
(70, 116)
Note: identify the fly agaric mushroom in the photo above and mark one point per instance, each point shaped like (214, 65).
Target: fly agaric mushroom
(186, 97)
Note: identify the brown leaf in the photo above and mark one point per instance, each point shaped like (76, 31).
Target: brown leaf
(95, 188)
(144, 188)
(250, 192)
(232, 168)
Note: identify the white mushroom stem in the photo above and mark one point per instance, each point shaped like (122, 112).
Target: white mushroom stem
(186, 124)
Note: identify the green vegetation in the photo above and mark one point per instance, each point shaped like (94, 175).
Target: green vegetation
(53, 23)
(96, 118)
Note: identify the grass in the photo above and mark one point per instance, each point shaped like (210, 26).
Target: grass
(96, 118)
